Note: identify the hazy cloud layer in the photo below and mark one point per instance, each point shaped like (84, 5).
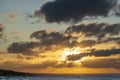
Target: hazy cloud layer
(74, 10)
(22, 65)
(102, 63)
(90, 63)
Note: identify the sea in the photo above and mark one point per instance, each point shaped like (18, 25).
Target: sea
(64, 77)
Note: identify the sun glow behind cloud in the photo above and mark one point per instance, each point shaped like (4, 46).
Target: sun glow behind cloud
(68, 51)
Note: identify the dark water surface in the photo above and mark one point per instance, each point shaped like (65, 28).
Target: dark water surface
(64, 77)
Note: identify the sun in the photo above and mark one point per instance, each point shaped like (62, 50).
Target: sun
(68, 51)
(71, 51)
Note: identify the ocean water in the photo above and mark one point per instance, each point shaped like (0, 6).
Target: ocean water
(63, 77)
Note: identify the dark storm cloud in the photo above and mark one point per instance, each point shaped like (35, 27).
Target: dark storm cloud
(99, 30)
(22, 47)
(99, 53)
(74, 10)
(102, 63)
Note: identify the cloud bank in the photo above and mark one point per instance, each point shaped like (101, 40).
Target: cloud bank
(52, 40)
(98, 30)
(74, 10)
(102, 63)
(98, 53)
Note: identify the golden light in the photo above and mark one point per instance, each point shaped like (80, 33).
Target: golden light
(68, 51)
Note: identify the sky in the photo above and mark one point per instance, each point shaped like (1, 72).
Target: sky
(60, 36)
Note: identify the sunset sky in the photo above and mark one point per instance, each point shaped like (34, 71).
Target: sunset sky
(60, 36)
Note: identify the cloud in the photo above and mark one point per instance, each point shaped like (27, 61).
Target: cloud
(1, 30)
(50, 37)
(24, 65)
(48, 41)
(116, 39)
(2, 35)
(1, 27)
(102, 63)
(29, 58)
(56, 38)
(74, 10)
(14, 15)
(98, 53)
(44, 64)
(98, 30)
(15, 32)
(1, 59)
(53, 64)
(23, 47)
(87, 43)
(11, 18)
(81, 44)
(19, 57)
(13, 65)
(27, 50)
(52, 40)
(118, 42)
